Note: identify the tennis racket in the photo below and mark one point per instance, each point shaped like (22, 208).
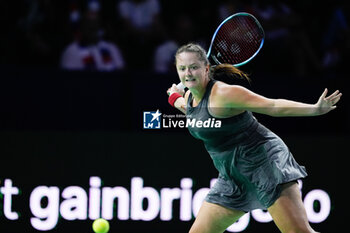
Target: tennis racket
(236, 41)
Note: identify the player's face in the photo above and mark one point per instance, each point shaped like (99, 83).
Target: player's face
(192, 71)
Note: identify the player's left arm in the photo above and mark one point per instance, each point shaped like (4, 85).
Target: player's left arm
(234, 96)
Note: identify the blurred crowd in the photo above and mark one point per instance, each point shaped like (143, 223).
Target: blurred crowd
(302, 37)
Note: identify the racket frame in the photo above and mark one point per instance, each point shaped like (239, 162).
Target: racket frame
(217, 30)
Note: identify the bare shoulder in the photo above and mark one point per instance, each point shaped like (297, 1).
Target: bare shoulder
(236, 96)
(222, 100)
(223, 92)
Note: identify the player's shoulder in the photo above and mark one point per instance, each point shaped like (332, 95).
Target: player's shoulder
(224, 90)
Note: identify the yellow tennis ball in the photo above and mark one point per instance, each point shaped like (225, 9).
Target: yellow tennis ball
(100, 225)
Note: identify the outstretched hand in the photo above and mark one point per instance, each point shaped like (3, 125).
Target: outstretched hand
(327, 103)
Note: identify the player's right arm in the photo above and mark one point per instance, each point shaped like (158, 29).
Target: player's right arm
(180, 102)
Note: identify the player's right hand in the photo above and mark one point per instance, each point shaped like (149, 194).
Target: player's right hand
(174, 89)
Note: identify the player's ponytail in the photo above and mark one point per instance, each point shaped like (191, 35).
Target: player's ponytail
(228, 73)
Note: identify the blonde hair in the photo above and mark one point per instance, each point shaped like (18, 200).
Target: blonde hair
(215, 71)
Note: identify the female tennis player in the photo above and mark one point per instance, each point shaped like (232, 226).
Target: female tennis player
(256, 169)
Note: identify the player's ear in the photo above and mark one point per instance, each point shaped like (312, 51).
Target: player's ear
(207, 68)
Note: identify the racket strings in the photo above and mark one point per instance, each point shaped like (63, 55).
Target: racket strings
(238, 45)
(237, 37)
(237, 40)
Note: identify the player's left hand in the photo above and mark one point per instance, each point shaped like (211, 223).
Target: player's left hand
(327, 103)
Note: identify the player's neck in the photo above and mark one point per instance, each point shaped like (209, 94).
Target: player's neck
(199, 92)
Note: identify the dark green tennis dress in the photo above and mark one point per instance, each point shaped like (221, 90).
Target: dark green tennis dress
(252, 161)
